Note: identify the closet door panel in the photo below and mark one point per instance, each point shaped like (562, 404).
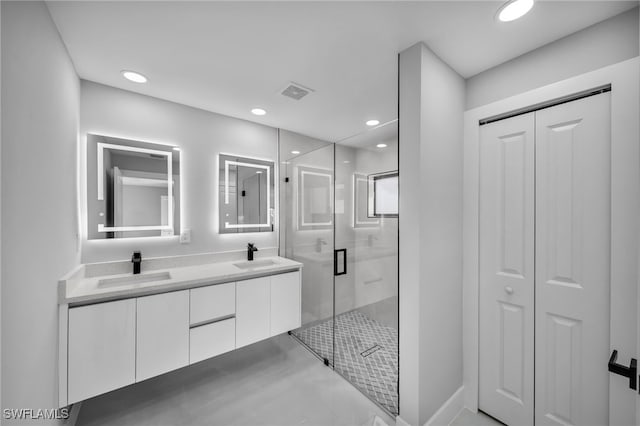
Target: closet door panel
(573, 192)
(506, 269)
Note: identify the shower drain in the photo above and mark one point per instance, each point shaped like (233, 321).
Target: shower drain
(371, 350)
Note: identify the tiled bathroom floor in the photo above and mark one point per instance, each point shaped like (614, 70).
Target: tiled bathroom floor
(366, 354)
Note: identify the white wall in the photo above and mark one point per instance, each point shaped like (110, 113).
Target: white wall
(605, 43)
(202, 136)
(40, 104)
(431, 99)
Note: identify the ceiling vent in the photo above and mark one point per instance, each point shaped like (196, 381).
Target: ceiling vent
(296, 91)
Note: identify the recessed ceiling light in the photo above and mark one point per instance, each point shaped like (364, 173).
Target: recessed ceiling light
(175, 148)
(514, 9)
(382, 145)
(372, 122)
(136, 77)
(258, 172)
(295, 152)
(258, 111)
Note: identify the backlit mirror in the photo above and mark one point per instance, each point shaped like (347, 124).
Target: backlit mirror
(133, 188)
(246, 194)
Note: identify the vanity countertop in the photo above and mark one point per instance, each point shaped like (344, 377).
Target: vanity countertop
(77, 288)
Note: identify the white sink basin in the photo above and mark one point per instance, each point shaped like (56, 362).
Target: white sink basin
(252, 264)
(134, 279)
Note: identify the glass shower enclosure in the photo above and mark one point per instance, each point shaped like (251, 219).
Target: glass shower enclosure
(339, 218)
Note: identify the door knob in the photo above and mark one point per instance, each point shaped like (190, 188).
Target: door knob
(622, 370)
(508, 289)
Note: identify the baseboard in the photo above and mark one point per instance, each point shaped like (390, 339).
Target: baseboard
(449, 410)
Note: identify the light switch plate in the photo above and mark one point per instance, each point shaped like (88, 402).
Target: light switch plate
(185, 236)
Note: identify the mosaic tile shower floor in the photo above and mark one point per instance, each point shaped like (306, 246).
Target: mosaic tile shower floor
(366, 354)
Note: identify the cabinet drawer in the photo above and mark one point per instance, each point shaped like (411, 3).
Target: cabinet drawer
(215, 301)
(212, 339)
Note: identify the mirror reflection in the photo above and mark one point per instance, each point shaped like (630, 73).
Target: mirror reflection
(132, 188)
(315, 198)
(383, 194)
(246, 200)
(361, 216)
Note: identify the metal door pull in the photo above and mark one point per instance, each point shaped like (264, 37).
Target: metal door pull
(630, 371)
(344, 262)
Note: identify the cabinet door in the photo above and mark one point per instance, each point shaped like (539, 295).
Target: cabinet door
(162, 333)
(252, 310)
(285, 302)
(101, 348)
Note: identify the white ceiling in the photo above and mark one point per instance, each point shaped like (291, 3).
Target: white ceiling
(229, 57)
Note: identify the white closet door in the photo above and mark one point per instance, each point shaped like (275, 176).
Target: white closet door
(507, 269)
(573, 223)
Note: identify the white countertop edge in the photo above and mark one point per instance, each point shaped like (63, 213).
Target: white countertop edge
(74, 283)
(78, 271)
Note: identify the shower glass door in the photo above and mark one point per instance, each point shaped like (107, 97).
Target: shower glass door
(306, 215)
(338, 215)
(366, 296)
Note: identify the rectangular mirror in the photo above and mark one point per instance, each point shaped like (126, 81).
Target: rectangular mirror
(133, 188)
(383, 194)
(246, 195)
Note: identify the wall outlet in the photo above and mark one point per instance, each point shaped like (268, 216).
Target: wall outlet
(185, 236)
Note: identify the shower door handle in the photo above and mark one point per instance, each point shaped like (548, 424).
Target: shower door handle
(336, 262)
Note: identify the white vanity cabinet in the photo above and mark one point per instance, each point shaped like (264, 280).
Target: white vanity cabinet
(102, 348)
(162, 333)
(107, 345)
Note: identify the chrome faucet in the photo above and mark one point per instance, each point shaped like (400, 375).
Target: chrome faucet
(250, 249)
(137, 261)
(319, 243)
